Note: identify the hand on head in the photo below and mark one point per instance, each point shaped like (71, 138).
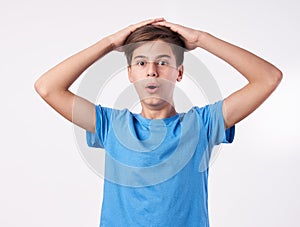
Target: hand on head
(189, 35)
(117, 39)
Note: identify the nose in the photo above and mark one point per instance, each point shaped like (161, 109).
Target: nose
(151, 69)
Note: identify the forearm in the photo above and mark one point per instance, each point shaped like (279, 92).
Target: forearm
(63, 75)
(252, 67)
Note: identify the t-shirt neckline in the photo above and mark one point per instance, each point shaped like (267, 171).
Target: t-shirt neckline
(148, 121)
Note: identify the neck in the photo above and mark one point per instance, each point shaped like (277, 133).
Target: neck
(158, 113)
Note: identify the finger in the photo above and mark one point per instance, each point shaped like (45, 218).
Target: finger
(149, 21)
(133, 27)
(159, 19)
(173, 27)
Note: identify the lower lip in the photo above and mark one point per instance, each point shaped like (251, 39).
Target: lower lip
(152, 91)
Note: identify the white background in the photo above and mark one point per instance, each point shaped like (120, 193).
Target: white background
(44, 181)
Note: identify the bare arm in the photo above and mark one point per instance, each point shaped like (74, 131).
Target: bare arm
(53, 86)
(262, 76)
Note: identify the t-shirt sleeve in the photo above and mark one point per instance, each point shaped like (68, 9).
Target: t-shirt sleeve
(97, 138)
(212, 116)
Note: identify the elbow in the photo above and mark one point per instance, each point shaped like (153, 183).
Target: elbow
(41, 89)
(276, 77)
(273, 79)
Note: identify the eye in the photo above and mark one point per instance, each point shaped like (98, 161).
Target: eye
(162, 62)
(141, 63)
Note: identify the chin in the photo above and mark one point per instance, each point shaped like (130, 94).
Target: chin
(155, 103)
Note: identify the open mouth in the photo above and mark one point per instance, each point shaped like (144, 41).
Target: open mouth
(152, 88)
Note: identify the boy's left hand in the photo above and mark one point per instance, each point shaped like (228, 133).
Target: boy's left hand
(190, 36)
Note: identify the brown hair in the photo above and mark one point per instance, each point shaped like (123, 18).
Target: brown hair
(151, 33)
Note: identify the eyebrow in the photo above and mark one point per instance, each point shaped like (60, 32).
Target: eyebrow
(159, 56)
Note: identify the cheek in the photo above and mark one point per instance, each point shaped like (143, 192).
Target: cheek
(136, 74)
(132, 74)
(171, 75)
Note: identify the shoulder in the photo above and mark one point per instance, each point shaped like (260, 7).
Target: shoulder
(102, 111)
(208, 110)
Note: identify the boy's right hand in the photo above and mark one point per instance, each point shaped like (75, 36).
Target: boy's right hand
(117, 39)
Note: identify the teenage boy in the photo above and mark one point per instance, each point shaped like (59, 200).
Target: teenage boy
(152, 173)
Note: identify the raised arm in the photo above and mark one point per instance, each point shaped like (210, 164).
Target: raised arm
(53, 86)
(262, 76)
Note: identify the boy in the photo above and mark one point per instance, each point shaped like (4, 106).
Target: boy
(152, 175)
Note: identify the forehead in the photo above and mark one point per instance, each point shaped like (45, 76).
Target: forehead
(152, 49)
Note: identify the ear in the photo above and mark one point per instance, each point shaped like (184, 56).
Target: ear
(129, 73)
(180, 73)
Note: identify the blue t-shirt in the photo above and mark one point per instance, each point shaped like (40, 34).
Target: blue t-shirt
(156, 171)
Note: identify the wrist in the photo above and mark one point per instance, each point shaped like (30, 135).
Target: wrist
(100, 48)
(110, 42)
(201, 38)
